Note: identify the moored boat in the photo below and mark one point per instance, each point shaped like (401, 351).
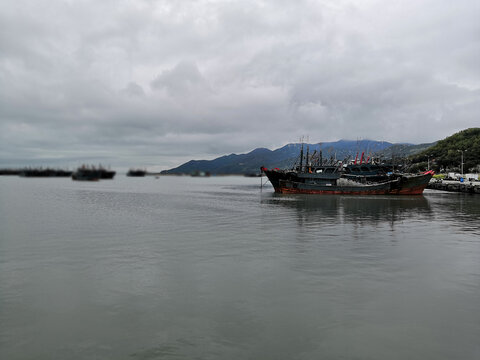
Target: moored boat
(106, 173)
(136, 172)
(85, 173)
(337, 177)
(92, 173)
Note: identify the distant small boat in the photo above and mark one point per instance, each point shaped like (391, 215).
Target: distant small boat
(136, 172)
(85, 173)
(92, 173)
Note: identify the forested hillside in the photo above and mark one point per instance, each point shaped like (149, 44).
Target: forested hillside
(447, 154)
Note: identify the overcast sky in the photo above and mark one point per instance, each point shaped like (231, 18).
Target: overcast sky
(157, 83)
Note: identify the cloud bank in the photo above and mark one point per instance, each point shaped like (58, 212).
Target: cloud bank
(157, 83)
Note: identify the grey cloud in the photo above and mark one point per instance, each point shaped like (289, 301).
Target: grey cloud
(183, 80)
(163, 82)
(133, 89)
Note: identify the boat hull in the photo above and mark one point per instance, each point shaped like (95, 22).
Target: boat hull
(291, 183)
(107, 174)
(85, 177)
(136, 173)
(417, 190)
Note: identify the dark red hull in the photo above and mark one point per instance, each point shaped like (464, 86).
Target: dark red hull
(416, 190)
(400, 184)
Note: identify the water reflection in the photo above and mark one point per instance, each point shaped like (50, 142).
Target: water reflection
(460, 211)
(184, 268)
(353, 209)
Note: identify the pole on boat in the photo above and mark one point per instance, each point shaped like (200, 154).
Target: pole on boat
(307, 161)
(261, 179)
(301, 157)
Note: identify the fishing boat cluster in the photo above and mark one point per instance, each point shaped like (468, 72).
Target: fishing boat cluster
(92, 173)
(313, 175)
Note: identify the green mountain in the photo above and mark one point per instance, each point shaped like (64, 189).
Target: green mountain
(446, 154)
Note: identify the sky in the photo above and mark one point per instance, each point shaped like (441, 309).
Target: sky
(147, 83)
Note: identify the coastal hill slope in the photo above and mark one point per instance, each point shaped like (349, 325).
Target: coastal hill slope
(404, 150)
(285, 156)
(446, 153)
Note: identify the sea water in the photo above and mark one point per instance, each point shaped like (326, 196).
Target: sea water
(218, 268)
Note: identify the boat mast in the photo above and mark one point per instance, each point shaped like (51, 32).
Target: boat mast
(312, 159)
(307, 162)
(301, 155)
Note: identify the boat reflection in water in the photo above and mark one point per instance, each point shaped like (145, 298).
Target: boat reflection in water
(314, 211)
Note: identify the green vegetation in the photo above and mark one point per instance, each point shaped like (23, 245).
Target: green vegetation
(403, 150)
(446, 154)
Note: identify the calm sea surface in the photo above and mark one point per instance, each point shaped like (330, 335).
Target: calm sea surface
(212, 268)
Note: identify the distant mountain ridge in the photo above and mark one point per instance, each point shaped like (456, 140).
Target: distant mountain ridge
(285, 156)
